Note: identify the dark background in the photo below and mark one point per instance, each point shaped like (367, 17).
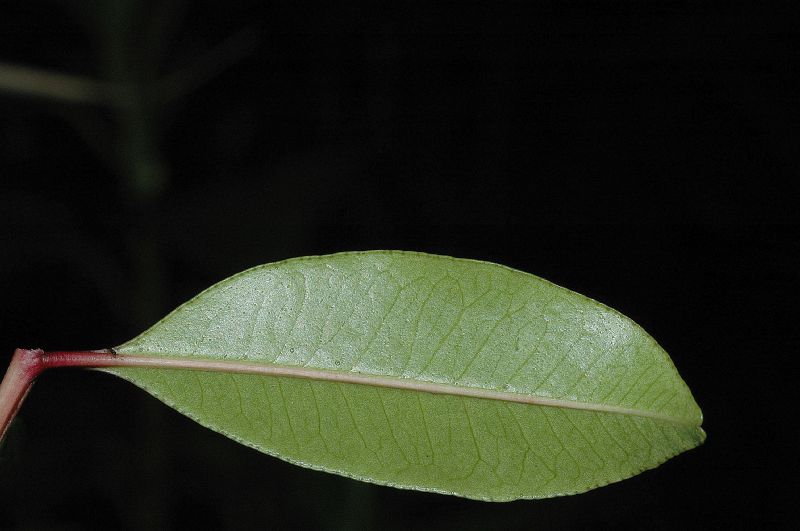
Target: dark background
(644, 155)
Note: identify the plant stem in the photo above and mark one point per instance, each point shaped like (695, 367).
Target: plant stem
(25, 367)
(27, 364)
(29, 81)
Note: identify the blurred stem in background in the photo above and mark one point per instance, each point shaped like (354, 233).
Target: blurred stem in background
(132, 38)
(143, 175)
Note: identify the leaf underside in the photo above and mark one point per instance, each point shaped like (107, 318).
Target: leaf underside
(461, 328)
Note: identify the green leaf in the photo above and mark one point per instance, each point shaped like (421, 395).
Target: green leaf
(424, 372)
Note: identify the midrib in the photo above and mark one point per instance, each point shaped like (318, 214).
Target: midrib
(244, 367)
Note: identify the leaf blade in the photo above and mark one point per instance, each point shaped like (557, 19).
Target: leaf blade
(443, 322)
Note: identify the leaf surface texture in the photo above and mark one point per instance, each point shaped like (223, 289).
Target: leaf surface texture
(526, 389)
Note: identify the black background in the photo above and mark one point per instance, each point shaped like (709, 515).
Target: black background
(644, 155)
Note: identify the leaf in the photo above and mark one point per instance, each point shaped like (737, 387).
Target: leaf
(424, 372)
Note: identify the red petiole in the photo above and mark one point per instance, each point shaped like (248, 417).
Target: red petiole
(28, 364)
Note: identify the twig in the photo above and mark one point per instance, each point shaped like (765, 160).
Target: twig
(204, 68)
(35, 82)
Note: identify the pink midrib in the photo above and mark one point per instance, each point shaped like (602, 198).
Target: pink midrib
(108, 360)
(27, 364)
